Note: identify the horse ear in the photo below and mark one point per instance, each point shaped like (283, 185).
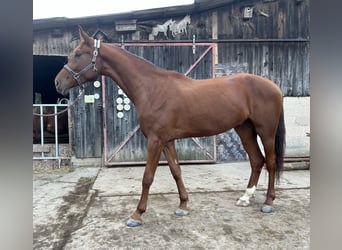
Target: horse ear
(83, 36)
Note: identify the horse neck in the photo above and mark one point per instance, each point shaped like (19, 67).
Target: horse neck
(135, 76)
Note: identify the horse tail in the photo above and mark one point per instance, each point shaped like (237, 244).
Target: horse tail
(280, 145)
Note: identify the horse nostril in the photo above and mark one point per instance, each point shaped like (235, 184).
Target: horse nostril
(56, 83)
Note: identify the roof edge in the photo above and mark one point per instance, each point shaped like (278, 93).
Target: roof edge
(148, 14)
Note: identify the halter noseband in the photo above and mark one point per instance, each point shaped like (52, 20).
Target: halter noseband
(77, 76)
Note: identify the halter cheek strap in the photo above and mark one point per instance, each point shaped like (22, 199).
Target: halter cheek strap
(77, 75)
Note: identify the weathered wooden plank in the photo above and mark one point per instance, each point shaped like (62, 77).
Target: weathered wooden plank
(287, 64)
(87, 124)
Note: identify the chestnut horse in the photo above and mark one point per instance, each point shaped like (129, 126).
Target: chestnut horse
(170, 106)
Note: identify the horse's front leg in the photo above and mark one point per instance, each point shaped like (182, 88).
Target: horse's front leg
(171, 157)
(154, 149)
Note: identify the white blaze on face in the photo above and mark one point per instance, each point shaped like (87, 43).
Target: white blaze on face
(244, 200)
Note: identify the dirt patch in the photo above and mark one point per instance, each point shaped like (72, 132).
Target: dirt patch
(70, 216)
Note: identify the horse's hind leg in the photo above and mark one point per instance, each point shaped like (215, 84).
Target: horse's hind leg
(171, 157)
(248, 137)
(269, 148)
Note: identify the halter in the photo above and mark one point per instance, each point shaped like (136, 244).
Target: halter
(77, 76)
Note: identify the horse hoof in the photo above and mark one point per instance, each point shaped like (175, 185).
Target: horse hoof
(181, 212)
(242, 203)
(133, 223)
(266, 209)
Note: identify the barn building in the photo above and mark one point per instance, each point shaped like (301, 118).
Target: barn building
(206, 39)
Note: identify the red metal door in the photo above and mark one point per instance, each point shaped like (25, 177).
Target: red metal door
(124, 144)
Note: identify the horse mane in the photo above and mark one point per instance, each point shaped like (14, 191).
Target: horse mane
(173, 73)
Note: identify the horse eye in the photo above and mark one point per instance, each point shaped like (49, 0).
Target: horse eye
(78, 54)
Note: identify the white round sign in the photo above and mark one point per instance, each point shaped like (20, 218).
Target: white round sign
(119, 107)
(119, 100)
(127, 100)
(127, 107)
(97, 84)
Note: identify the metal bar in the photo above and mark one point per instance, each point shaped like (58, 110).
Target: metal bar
(262, 40)
(42, 142)
(56, 132)
(214, 50)
(161, 44)
(49, 158)
(210, 42)
(124, 142)
(162, 162)
(56, 136)
(41, 128)
(213, 54)
(50, 105)
(198, 143)
(105, 148)
(198, 61)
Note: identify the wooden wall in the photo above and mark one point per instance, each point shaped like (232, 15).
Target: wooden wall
(273, 42)
(86, 123)
(270, 19)
(45, 43)
(287, 64)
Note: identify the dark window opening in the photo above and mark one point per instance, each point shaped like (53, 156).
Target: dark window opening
(45, 69)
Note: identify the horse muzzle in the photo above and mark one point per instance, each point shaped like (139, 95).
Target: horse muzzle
(60, 89)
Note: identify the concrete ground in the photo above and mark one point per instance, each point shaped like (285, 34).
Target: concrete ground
(88, 209)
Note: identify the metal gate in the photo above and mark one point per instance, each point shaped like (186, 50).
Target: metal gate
(49, 148)
(124, 143)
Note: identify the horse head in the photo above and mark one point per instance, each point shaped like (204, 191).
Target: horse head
(81, 66)
(187, 19)
(169, 22)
